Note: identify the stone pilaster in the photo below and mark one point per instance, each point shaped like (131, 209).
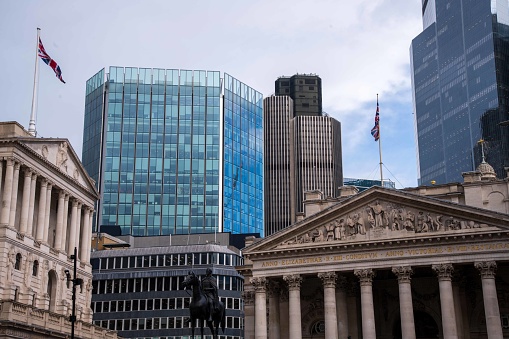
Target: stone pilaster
(406, 309)
(72, 231)
(294, 281)
(367, 311)
(489, 291)
(41, 214)
(7, 193)
(444, 272)
(84, 241)
(60, 221)
(249, 321)
(47, 212)
(31, 205)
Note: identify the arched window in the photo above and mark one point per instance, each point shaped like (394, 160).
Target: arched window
(18, 261)
(35, 268)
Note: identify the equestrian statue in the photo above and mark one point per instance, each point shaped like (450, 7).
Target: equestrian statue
(205, 304)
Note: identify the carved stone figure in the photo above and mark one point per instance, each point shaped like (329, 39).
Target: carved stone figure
(339, 231)
(350, 224)
(378, 212)
(10, 263)
(409, 221)
(395, 219)
(359, 224)
(62, 157)
(330, 231)
(318, 235)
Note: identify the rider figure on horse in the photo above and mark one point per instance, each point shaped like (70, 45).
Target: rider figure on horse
(209, 287)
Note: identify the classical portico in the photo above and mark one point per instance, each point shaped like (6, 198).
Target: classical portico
(382, 264)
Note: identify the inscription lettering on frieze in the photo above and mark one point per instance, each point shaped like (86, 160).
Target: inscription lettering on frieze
(407, 253)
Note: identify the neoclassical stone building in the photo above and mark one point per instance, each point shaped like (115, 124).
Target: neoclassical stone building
(47, 206)
(384, 264)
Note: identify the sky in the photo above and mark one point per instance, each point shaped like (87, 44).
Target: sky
(358, 48)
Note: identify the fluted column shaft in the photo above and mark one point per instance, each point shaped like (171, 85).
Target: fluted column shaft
(78, 229)
(14, 197)
(406, 309)
(249, 316)
(341, 309)
(25, 204)
(60, 221)
(47, 212)
(31, 205)
(41, 215)
(84, 234)
(72, 231)
(489, 292)
(444, 272)
(273, 293)
(7, 194)
(329, 304)
(260, 287)
(294, 281)
(367, 311)
(1, 175)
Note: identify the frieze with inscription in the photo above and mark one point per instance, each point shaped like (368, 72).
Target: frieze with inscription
(382, 220)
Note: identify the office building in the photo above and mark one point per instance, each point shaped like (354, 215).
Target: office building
(47, 206)
(364, 184)
(302, 153)
(137, 287)
(305, 91)
(174, 151)
(424, 262)
(460, 87)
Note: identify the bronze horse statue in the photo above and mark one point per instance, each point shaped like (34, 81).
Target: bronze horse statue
(199, 308)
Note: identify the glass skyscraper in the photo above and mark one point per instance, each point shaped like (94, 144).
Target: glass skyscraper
(460, 81)
(175, 151)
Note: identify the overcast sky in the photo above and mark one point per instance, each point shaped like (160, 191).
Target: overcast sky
(359, 48)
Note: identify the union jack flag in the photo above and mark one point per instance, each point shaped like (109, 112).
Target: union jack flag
(375, 131)
(50, 62)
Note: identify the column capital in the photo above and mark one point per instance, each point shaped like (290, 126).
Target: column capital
(259, 284)
(44, 182)
(294, 281)
(28, 172)
(444, 271)
(273, 288)
(365, 276)
(486, 268)
(403, 273)
(75, 203)
(9, 161)
(248, 297)
(328, 279)
(17, 165)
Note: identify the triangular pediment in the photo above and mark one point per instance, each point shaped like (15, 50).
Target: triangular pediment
(60, 154)
(382, 215)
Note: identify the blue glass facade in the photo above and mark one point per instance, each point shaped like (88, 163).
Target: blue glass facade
(460, 86)
(170, 140)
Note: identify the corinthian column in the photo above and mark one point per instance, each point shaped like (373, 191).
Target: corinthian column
(329, 303)
(47, 213)
(85, 240)
(72, 231)
(249, 321)
(7, 194)
(367, 311)
(489, 292)
(31, 205)
(23, 221)
(60, 221)
(284, 315)
(273, 293)
(14, 197)
(41, 214)
(444, 272)
(294, 281)
(260, 287)
(406, 309)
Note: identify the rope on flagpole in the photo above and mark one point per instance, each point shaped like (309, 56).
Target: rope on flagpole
(380, 145)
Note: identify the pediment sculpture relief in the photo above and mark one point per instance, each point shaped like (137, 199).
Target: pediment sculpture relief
(383, 220)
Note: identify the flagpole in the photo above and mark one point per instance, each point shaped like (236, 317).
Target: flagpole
(31, 124)
(380, 147)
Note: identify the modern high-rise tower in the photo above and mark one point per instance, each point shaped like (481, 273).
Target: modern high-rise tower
(305, 91)
(460, 67)
(175, 151)
(302, 153)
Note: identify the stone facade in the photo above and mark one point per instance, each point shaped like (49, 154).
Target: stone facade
(385, 264)
(46, 212)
